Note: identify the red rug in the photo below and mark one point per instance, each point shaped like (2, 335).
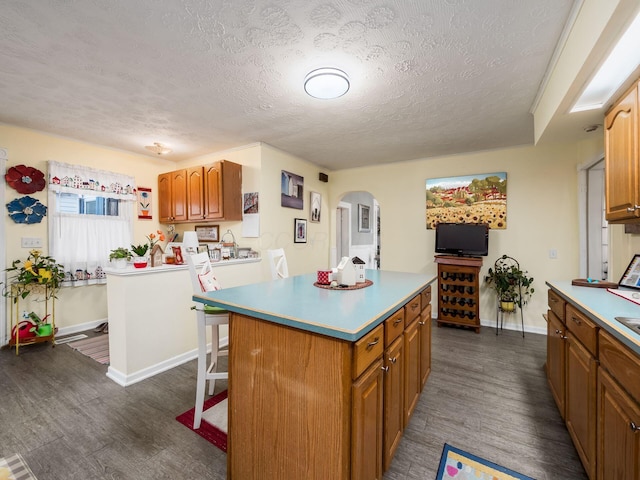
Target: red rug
(207, 431)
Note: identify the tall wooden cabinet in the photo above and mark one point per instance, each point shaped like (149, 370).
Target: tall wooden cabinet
(459, 291)
(201, 193)
(622, 159)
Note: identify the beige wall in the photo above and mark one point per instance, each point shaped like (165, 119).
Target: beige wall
(542, 213)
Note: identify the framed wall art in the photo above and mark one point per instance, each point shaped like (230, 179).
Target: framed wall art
(291, 190)
(364, 218)
(299, 230)
(480, 198)
(315, 205)
(208, 233)
(144, 203)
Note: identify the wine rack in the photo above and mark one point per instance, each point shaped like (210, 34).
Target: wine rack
(459, 291)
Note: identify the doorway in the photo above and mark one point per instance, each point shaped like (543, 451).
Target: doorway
(594, 231)
(355, 237)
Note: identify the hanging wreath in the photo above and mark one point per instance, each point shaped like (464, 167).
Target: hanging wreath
(26, 210)
(25, 179)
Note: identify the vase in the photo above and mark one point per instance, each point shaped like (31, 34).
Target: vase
(507, 306)
(119, 262)
(140, 262)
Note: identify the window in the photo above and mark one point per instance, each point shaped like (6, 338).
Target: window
(90, 214)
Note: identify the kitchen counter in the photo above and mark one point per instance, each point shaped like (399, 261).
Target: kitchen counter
(343, 314)
(602, 307)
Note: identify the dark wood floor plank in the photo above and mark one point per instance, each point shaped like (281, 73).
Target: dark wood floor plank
(486, 394)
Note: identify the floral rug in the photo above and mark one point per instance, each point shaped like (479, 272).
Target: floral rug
(14, 467)
(214, 420)
(460, 465)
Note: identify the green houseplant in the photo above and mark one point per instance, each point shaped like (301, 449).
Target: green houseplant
(119, 253)
(512, 285)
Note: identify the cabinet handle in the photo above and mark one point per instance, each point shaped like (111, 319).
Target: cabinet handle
(414, 306)
(422, 323)
(398, 320)
(577, 320)
(385, 369)
(633, 209)
(393, 360)
(634, 428)
(374, 343)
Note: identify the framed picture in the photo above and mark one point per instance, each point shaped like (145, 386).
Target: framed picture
(291, 190)
(315, 205)
(203, 248)
(144, 203)
(299, 230)
(208, 233)
(631, 276)
(364, 218)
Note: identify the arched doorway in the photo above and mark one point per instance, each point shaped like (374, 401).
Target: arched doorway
(358, 229)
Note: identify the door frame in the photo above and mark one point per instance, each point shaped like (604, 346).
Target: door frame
(341, 206)
(583, 199)
(4, 157)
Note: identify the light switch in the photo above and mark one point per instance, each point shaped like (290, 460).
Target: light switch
(31, 242)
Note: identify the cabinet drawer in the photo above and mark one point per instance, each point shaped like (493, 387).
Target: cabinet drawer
(412, 310)
(556, 304)
(426, 297)
(621, 363)
(393, 327)
(582, 328)
(367, 349)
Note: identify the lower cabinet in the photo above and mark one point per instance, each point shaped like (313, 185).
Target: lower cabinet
(618, 432)
(580, 401)
(366, 436)
(424, 328)
(412, 383)
(394, 365)
(556, 358)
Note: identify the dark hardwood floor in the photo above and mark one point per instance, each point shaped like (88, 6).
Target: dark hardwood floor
(487, 394)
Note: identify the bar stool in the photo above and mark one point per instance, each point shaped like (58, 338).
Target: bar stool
(203, 280)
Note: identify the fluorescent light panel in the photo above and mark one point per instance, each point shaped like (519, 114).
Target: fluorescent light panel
(623, 60)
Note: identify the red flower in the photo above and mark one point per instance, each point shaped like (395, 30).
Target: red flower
(25, 179)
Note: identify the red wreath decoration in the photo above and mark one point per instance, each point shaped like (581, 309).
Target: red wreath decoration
(25, 179)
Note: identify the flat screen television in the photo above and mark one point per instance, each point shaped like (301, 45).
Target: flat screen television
(465, 239)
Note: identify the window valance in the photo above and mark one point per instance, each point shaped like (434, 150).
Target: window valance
(67, 178)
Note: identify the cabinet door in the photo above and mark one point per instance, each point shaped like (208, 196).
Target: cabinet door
(425, 345)
(195, 194)
(179, 195)
(165, 208)
(556, 359)
(412, 383)
(621, 159)
(366, 441)
(393, 399)
(618, 446)
(213, 207)
(580, 401)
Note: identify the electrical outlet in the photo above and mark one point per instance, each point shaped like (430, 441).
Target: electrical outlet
(553, 254)
(31, 242)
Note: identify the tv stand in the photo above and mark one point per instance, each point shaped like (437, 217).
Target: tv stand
(459, 291)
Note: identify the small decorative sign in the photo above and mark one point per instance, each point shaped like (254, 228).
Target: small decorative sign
(144, 203)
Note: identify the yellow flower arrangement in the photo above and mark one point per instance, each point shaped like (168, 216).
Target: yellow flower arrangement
(36, 269)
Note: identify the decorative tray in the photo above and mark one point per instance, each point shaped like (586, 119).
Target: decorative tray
(357, 286)
(584, 282)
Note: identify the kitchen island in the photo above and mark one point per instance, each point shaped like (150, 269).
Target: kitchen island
(306, 373)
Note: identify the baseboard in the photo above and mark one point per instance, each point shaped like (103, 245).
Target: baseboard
(125, 380)
(515, 327)
(81, 327)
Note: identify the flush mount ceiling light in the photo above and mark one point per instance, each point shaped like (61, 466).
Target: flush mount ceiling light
(326, 83)
(623, 60)
(158, 149)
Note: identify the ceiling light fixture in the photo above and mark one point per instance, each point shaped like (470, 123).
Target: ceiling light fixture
(158, 148)
(326, 83)
(622, 61)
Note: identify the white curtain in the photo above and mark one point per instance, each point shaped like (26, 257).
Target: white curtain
(82, 242)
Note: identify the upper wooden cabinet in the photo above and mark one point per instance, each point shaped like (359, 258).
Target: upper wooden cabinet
(172, 195)
(622, 160)
(207, 193)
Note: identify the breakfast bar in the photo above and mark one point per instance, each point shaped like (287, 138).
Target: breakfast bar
(306, 373)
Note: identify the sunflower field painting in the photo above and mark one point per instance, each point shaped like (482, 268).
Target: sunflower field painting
(478, 198)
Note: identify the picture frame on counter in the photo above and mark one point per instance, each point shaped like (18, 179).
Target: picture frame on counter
(208, 233)
(203, 248)
(299, 230)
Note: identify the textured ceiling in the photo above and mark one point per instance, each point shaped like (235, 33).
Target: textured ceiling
(428, 77)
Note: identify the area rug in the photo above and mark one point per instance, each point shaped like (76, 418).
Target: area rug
(14, 467)
(213, 427)
(94, 347)
(460, 465)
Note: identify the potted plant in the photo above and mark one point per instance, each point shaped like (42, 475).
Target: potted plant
(37, 269)
(140, 255)
(120, 256)
(513, 286)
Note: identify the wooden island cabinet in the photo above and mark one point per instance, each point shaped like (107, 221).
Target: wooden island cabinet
(322, 387)
(593, 367)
